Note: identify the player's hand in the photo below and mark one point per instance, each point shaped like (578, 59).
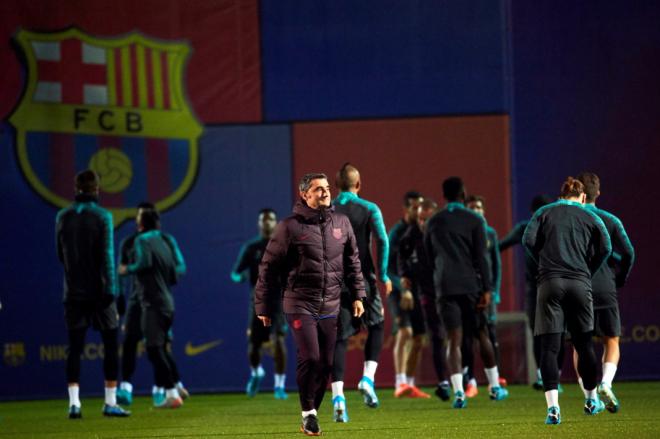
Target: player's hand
(407, 301)
(358, 308)
(406, 284)
(265, 320)
(123, 269)
(388, 287)
(484, 300)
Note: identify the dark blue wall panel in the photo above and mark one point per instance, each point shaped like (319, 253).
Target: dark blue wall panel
(242, 169)
(586, 95)
(346, 59)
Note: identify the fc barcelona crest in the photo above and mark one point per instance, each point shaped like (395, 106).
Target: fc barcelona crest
(116, 106)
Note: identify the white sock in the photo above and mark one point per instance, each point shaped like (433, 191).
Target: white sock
(74, 396)
(400, 379)
(179, 385)
(457, 382)
(111, 395)
(552, 398)
(582, 387)
(465, 370)
(370, 370)
(473, 382)
(410, 381)
(126, 386)
(337, 389)
(280, 378)
(538, 375)
(591, 394)
(493, 376)
(172, 393)
(309, 412)
(443, 383)
(257, 370)
(609, 370)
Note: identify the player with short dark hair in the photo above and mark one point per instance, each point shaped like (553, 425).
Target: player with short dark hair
(477, 204)
(310, 256)
(247, 268)
(611, 276)
(456, 243)
(84, 237)
(569, 244)
(367, 222)
(157, 265)
(401, 327)
(416, 274)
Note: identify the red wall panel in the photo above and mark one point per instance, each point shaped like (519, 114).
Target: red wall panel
(394, 156)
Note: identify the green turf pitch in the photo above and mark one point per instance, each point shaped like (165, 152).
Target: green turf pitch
(236, 416)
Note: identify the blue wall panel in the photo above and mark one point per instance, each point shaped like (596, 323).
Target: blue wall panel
(346, 59)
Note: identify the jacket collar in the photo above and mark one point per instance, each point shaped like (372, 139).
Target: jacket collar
(309, 215)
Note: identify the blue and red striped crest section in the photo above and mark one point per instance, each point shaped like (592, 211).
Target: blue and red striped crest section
(116, 106)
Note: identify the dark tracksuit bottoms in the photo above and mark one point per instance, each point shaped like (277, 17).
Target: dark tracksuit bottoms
(315, 339)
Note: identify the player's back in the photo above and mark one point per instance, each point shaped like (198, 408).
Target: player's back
(566, 230)
(453, 236)
(359, 214)
(155, 280)
(83, 251)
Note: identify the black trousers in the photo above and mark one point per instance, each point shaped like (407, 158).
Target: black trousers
(110, 357)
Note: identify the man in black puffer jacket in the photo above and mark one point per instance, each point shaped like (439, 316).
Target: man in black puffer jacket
(314, 253)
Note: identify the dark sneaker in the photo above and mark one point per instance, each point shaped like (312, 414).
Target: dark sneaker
(115, 411)
(310, 426)
(75, 412)
(443, 391)
(538, 384)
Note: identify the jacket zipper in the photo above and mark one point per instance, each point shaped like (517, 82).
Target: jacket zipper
(324, 268)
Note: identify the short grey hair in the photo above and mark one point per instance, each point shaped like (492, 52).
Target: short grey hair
(306, 181)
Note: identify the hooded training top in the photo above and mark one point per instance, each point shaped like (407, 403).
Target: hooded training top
(315, 251)
(615, 271)
(567, 241)
(84, 240)
(455, 242)
(158, 263)
(366, 220)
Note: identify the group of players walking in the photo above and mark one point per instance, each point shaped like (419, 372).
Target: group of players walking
(152, 260)
(314, 274)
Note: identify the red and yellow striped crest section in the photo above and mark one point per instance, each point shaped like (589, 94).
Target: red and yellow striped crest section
(140, 76)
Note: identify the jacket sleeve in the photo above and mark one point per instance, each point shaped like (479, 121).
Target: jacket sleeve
(352, 268)
(268, 289)
(180, 263)
(532, 239)
(241, 265)
(142, 256)
(403, 256)
(382, 241)
(602, 245)
(513, 237)
(623, 253)
(392, 269)
(109, 254)
(479, 252)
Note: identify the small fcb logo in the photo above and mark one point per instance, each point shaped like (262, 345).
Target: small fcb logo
(115, 105)
(14, 354)
(336, 233)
